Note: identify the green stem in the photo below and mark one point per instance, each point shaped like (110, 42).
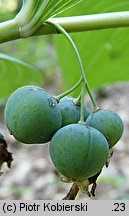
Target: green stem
(94, 21)
(69, 90)
(9, 30)
(79, 61)
(87, 22)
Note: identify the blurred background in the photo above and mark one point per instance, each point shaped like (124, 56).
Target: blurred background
(105, 55)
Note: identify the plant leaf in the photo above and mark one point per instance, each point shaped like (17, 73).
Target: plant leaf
(104, 52)
(15, 73)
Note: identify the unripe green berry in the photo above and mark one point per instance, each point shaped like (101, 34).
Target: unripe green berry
(32, 115)
(108, 123)
(70, 111)
(78, 151)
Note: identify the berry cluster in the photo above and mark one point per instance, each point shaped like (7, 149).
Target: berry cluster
(79, 150)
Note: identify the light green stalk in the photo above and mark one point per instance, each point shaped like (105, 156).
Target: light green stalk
(9, 30)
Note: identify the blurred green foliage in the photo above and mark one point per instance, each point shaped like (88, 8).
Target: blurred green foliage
(104, 52)
(15, 73)
(8, 9)
(36, 51)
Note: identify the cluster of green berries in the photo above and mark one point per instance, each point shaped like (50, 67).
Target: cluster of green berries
(78, 150)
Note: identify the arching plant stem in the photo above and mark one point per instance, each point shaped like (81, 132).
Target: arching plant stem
(62, 30)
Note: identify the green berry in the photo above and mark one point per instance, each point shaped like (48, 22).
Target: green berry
(108, 123)
(70, 111)
(78, 151)
(32, 115)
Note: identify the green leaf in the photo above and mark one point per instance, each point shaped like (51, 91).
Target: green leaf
(105, 53)
(15, 73)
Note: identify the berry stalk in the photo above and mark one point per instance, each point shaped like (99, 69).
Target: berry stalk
(62, 30)
(69, 90)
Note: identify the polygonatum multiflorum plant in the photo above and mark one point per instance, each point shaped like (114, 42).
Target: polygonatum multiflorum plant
(81, 140)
